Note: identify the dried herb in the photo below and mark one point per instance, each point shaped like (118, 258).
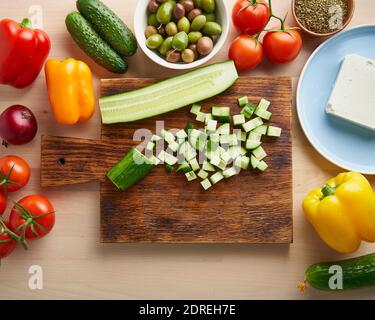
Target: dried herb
(321, 16)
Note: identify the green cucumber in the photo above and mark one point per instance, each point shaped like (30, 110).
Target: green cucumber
(221, 114)
(93, 45)
(109, 26)
(131, 169)
(356, 273)
(168, 95)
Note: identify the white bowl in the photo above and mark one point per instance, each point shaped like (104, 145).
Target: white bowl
(140, 24)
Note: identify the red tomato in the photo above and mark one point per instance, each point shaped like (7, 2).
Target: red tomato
(246, 52)
(7, 244)
(3, 202)
(36, 214)
(282, 46)
(14, 173)
(248, 18)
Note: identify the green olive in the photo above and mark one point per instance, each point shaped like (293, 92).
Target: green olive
(188, 56)
(210, 17)
(208, 5)
(183, 25)
(194, 36)
(150, 30)
(171, 29)
(212, 29)
(154, 41)
(166, 46)
(198, 23)
(164, 13)
(152, 21)
(198, 4)
(180, 41)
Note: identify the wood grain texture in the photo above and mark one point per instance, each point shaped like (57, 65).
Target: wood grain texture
(165, 207)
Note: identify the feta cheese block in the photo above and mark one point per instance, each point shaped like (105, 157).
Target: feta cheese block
(353, 95)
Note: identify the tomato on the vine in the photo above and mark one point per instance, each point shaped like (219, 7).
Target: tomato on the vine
(14, 173)
(250, 16)
(3, 202)
(246, 52)
(33, 216)
(7, 243)
(282, 46)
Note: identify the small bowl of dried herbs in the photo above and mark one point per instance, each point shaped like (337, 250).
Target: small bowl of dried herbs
(323, 18)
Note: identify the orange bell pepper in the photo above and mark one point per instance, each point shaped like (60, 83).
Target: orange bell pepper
(70, 90)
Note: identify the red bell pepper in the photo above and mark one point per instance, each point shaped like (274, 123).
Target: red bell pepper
(23, 52)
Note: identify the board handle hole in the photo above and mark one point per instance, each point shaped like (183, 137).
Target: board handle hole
(61, 161)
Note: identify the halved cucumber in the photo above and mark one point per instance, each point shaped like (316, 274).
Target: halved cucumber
(168, 95)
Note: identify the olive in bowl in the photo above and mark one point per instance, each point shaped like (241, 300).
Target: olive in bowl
(181, 34)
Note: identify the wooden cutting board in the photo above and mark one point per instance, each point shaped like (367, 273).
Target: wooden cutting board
(252, 207)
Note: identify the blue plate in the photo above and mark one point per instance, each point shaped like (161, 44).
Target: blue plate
(346, 145)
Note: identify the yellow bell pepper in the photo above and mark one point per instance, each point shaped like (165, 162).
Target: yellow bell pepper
(70, 90)
(343, 212)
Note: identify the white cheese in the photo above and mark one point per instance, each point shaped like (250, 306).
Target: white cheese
(353, 96)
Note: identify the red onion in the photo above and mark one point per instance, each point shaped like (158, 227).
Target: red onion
(18, 125)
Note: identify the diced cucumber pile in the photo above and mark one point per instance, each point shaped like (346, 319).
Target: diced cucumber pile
(216, 151)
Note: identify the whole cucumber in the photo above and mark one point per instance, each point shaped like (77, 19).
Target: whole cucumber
(356, 273)
(93, 45)
(109, 26)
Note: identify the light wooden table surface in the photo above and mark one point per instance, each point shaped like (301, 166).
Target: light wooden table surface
(77, 266)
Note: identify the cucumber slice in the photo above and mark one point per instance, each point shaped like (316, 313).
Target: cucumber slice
(195, 109)
(216, 177)
(262, 130)
(174, 146)
(190, 176)
(262, 166)
(233, 141)
(255, 136)
(252, 124)
(215, 137)
(208, 167)
(259, 153)
(218, 162)
(251, 144)
(254, 161)
(168, 95)
(242, 101)
(184, 167)
(245, 162)
(187, 151)
(248, 110)
(194, 164)
(202, 174)
(181, 134)
(167, 136)
(264, 114)
(230, 172)
(150, 146)
(224, 139)
(211, 125)
(238, 119)
(206, 184)
(241, 135)
(224, 129)
(227, 157)
(201, 117)
(156, 138)
(131, 169)
(221, 114)
(167, 158)
(208, 117)
(154, 160)
(274, 131)
(263, 105)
